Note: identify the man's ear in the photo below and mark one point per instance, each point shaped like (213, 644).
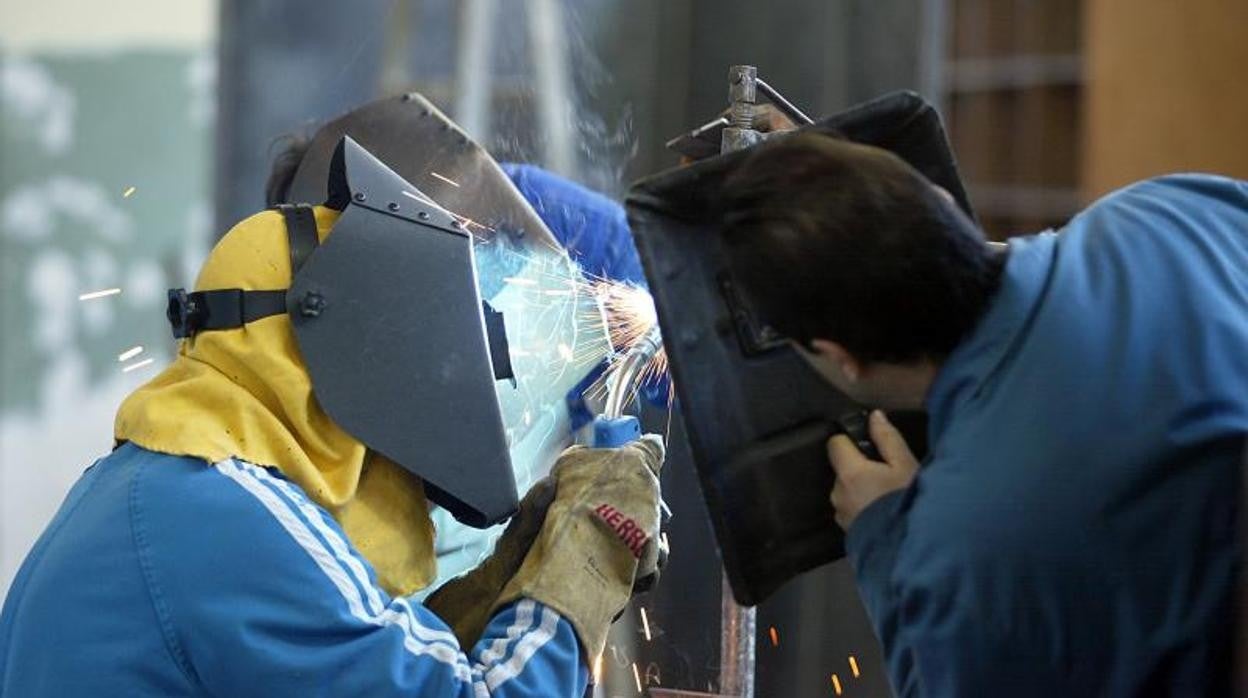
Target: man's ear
(831, 351)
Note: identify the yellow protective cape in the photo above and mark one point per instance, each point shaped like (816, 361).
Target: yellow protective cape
(245, 393)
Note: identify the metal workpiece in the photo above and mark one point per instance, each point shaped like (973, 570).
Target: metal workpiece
(744, 88)
(742, 96)
(737, 622)
(736, 645)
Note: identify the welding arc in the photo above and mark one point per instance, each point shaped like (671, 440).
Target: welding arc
(624, 378)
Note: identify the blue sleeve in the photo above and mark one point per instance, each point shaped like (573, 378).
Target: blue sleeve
(871, 545)
(592, 227)
(938, 623)
(262, 595)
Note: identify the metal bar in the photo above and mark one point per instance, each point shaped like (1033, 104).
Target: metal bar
(717, 122)
(742, 95)
(737, 623)
(797, 115)
(736, 645)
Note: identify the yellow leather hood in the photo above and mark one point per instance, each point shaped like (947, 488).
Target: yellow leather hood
(245, 393)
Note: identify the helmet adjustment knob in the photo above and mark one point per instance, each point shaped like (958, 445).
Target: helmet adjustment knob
(311, 304)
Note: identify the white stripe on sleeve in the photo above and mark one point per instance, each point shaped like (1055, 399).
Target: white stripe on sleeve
(329, 565)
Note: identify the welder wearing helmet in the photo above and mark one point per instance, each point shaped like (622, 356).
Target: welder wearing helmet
(247, 536)
(508, 197)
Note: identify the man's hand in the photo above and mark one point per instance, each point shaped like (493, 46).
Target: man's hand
(859, 480)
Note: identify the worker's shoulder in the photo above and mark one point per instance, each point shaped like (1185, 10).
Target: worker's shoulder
(1181, 193)
(1164, 219)
(197, 521)
(177, 500)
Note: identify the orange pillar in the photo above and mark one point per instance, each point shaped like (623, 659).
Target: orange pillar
(1167, 90)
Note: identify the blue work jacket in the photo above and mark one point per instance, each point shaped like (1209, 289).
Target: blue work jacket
(170, 576)
(1073, 530)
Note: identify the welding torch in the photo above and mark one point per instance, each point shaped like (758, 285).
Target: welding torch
(613, 428)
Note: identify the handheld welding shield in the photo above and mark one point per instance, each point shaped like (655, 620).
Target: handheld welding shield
(756, 414)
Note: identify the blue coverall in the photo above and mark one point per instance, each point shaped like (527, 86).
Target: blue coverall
(592, 227)
(168, 576)
(1073, 530)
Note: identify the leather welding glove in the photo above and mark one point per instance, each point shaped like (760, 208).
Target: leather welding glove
(598, 537)
(465, 602)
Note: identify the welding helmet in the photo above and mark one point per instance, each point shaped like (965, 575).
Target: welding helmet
(401, 351)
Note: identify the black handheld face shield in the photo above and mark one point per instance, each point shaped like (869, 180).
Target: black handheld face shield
(402, 352)
(757, 416)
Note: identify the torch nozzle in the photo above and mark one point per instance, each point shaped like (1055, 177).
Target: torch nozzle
(623, 381)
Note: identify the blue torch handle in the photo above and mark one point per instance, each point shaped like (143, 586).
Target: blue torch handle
(613, 432)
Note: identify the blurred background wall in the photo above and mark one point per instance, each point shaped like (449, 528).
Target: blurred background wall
(96, 100)
(1164, 90)
(133, 133)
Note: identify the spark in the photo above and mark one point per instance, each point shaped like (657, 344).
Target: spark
(99, 294)
(637, 677)
(645, 624)
(128, 192)
(598, 669)
(448, 180)
(630, 311)
(468, 222)
(519, 281)
(836, 684)
(630, 314)
(667, 431)
(138, 365)
(652, 672)
(664, 507)
(853, 665)
(129, 354)
(565, 352)
(775, 636)
(663, 537)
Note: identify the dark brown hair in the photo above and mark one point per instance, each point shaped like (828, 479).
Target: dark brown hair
(292, 147)
(845, 242)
